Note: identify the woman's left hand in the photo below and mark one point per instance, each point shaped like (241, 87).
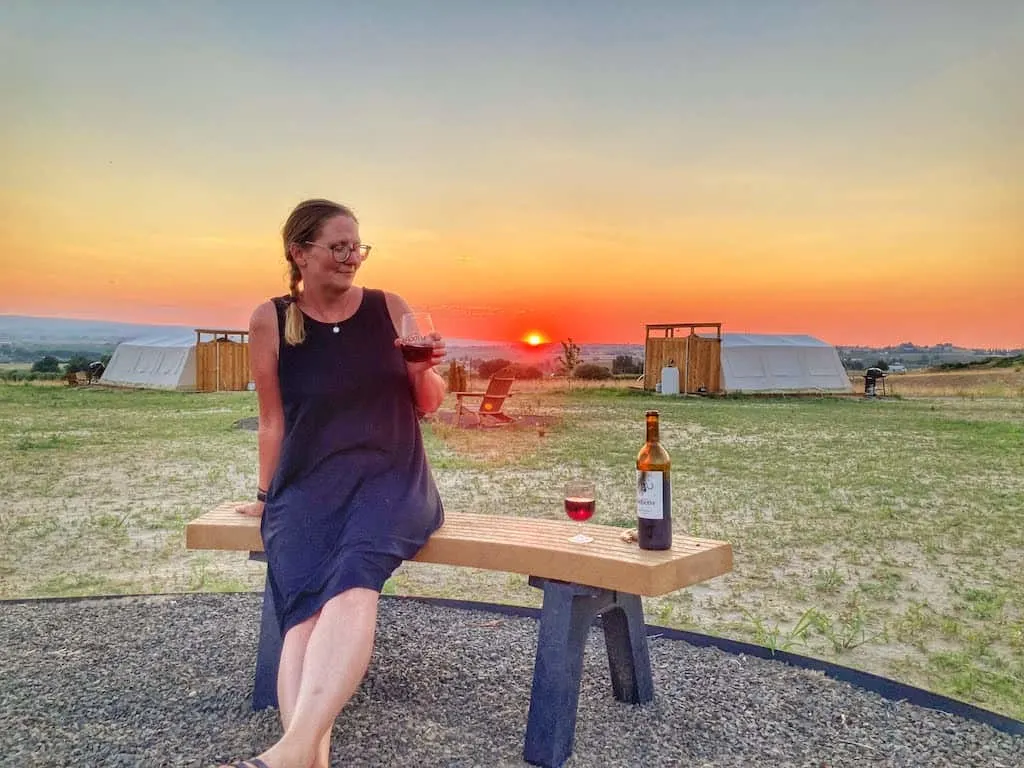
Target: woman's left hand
(252, 508)
(436, 356)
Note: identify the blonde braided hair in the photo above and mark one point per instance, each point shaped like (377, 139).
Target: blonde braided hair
(304, 224)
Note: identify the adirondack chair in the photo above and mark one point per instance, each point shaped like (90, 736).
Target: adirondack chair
(489, 412)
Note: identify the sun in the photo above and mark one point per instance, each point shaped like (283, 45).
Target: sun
(534, 339)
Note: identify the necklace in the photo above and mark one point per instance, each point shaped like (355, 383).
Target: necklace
(335, 326)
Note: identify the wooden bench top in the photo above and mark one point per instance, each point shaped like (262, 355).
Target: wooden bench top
(520, 545)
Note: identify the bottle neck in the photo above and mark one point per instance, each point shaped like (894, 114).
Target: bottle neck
(652, 429)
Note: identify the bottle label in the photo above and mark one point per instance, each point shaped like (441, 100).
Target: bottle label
(649, 495)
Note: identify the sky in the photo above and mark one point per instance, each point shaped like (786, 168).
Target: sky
(577, 168)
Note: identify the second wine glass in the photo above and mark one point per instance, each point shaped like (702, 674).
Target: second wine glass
(580, 503)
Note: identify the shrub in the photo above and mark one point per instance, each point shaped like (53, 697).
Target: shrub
(592, 371)
(526, 371)
(627, 364)
(76, 364)
(456, 377)
(488, 368)
(48, 364)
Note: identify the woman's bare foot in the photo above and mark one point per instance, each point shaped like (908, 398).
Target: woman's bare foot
(275, 757)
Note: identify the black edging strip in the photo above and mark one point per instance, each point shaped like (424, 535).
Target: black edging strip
(883, 686)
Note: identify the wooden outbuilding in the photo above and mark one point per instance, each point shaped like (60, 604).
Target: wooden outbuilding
(698, 358)
(222, 360)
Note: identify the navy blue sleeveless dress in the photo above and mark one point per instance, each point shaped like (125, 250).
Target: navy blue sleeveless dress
(353, 495)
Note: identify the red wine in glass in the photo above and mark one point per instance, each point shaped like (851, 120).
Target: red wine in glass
(580, 502)
(417, 353)
(417, 342)
(579, 509)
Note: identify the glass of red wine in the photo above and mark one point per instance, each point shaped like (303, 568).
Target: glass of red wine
(417, 340)
(579, 506)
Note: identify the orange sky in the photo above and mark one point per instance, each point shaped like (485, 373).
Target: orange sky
(768, 173)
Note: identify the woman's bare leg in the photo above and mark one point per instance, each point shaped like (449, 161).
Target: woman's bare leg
(336, 656)
(289, 678)
(289, 668)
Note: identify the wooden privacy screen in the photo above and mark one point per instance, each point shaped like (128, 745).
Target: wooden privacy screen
(698, 358)
(222, 360)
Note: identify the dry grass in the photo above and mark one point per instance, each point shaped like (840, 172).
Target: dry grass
(884, 532)
(987, 382)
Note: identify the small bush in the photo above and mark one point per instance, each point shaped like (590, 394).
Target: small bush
(48, 364)
(488, 368)
(526, 371)
(592, 372)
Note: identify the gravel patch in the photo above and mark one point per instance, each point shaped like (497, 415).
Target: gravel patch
(167, 680)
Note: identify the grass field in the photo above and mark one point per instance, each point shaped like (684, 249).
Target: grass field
(882, 534)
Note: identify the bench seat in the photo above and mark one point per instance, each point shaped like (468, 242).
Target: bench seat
(520, 545)
(605, 577)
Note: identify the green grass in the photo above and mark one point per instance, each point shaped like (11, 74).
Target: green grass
(885, 535)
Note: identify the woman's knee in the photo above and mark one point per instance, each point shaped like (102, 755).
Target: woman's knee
(300, 632)
(354, 600)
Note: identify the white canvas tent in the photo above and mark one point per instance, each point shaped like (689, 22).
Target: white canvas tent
(154, 362)
(755, 362)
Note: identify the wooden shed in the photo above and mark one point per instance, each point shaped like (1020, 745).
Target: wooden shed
(698, 358)
(222, 360)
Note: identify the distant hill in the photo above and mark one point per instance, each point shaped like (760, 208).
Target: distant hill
(26, 339)
(20, 328)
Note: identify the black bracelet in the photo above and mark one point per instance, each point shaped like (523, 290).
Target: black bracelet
(261, 495)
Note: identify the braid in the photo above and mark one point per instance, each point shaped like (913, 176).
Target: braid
(294, 327)
(303, 224)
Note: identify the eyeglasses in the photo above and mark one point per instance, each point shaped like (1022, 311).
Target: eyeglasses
(343, 251)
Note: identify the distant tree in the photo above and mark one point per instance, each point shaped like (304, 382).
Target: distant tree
(488, 368)
(570, 357)
(626, 364)
(882, 364)
(48, 364)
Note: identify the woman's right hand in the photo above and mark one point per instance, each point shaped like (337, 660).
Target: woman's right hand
(251, 508)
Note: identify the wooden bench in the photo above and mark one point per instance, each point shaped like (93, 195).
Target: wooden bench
(606, 577)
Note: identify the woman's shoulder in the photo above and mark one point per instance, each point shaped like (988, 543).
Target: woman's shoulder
(269, 311)
(396, 305)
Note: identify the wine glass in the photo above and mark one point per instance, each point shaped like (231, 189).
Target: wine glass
(416, 339)
(579, 506)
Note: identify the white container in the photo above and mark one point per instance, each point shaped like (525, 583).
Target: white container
(670, 380)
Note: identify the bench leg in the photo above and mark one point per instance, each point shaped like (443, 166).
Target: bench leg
(264, 693)
(628, 658)
(566, 617)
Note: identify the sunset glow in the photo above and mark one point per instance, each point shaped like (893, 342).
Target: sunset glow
(852, 172)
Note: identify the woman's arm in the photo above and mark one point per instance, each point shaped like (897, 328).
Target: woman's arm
(428, 388)
(263, 345)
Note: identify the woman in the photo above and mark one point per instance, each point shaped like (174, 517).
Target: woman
(345, 490)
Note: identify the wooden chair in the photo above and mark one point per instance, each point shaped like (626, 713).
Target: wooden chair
(491, 401)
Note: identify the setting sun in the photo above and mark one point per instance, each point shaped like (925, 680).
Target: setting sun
(534, 339)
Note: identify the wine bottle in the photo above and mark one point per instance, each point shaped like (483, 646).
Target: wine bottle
(654, 490)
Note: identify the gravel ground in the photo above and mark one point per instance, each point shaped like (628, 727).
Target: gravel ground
(165, 681)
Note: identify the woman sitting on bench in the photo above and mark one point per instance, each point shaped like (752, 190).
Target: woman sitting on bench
(345, 490)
